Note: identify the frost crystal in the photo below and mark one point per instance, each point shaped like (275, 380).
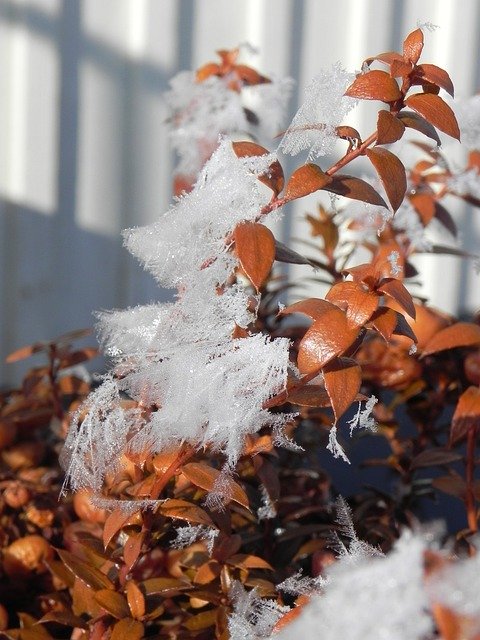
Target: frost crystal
(467, 111)
(297, 584)
(267, 510)
(335, 447)
(363, 419)
(189, 534)
(466, 183)
(325, 107)
(253, 618)
(457, 587)
(395, 268)
(357, 549)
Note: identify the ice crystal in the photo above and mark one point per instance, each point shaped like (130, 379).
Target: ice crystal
(189, 534)
(267, 510)
(363, 419)
(466, 183)
(298, 584)
(253, 618)
(457, 587)
(467, 111)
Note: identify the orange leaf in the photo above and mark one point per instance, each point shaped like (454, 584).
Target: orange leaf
(374, 85)
(204, 476)
(274, 178)
(116, 520)
(354, 188)
(113, 602)
(414, 121)
(164, 586)
(132, 548)
(127, 628)
(467, 414)
(136, 599)
(435, 75)
(247, 561)
(201, 620)
(400, 68)
(326, 339)
(27, 351)
(391, 173)
(460, 334)
(255, 249)
(389, 128)
(305, 180)
(343, 378)
(208, 572)
(424, 205)
(396, 290)
(85, 572)
(454, 485)
(388, 322)
(412, 46)
(388, 57)
(209, 69)
(249, 75)
(357, 303)
(436, 111)
(314, 308)
(312, 395)
(183, 510)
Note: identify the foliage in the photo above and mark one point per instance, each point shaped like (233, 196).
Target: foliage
(203, 507)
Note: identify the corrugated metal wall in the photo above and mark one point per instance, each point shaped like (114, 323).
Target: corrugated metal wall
(83, 144)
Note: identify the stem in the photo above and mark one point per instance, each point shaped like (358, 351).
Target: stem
(470, 493)
(52, 376)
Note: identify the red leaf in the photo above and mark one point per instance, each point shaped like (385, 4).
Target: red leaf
(314, 308)
(460, 334)
(255, 248)
(305, 180)
(354, 188)
(467, 414)
(342, 378)
(209, 69)
(413, 45)
(285, 254)
(388, 322)
(184, 510)
(435, 75)
(414, 121)
(274, 178)
(395, 289)
(374, 85)
(204, 476)
(388, 57)
(400, 68)
(389, 128)
(357, 303)
(312, 395)
(436, 111)
(391, 173)
(424, 205)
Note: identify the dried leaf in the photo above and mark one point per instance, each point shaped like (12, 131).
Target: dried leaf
(467, 414)
(389, 128)
(435, 75)
(342, 378)
(415, 121)
(396, 290)
(436, 111)
(358, 303)
(113, 602)
(205, 477)
(136, 600)
(274, 178)
(307, 179)
(183, 510)
(255, 249)
(355, 188)
(127, 628)
(412, 46)
(374, 85)
(460, 334)
(85, 572)
(391, 172)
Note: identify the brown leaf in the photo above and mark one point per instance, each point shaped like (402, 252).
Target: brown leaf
(436, 111)
(208, 572)
(342, 378)
(395, 289)
(165, 586)
(127, 628)
(183, 510)
(415, 121)
(132, 549)
(434, 457)
(204, 476)
(454, 485)
(400, 68)
(424, 205)
(374, 85)
(435, 75)
(71, 385)
(388, 322)
(389, 128)
(312, 395)
(467, 414)
(201, 620)
(78, 356)
(460, 334)
(352, 298)
(116, 521)
(285, 254)
(355, 188)
(85, 572)
(274, 178)
(136, 600)
(413, 45)
(391, 172)
(255, 249)
(307, 179)
(445, 219)
(388, 57)
(248, 561)
(314, 308)
(65, 618)
(207, 70)
(113, 602)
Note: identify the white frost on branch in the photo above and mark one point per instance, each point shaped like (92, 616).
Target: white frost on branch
(189, 534)
(253, 618)
(325, 108)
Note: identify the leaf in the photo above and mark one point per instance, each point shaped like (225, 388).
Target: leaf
(356, 189)
(208, 572)
(453, 485)
(395, 289)
(413, 45)
(136, 600)
(248, 561)
(183, 510)
(65, 618)
(388, 322)
(305, 180)
(389, 128)
(127, 628)
(435, 75)
(424, 205)
(116, 521)
(274, 178)
(342, 378)
(132, 549)
(374, 85)
(205, 477)
(314, 308)
(27, 351)
(400, 68)
(444, 217)
(391, 173)
(460, 334)
(388, 57)
(207, 70)
(255, 249)
(201, 620)
(436, 111)
(285, 254)
(467, 414)
(415, 121)
(312, 395)
(113, 602)
(71, 385)
(85, 572)
(165, 586)
(434, 457)
(352, 298)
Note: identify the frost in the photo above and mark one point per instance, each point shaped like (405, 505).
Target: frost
(379, 598)
(335, 447)
(467, 111)
(413, 350)
(406, 219)
(269, 102)
(457, 587)
(325, 108)
(297, 584)
(189, 534)
(395, 268)
(363, 419)
(466, 183)
(357, 549)
(253, 618)
(428, 26)
(267, 510)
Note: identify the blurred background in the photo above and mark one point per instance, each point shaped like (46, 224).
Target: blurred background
(84, 149)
